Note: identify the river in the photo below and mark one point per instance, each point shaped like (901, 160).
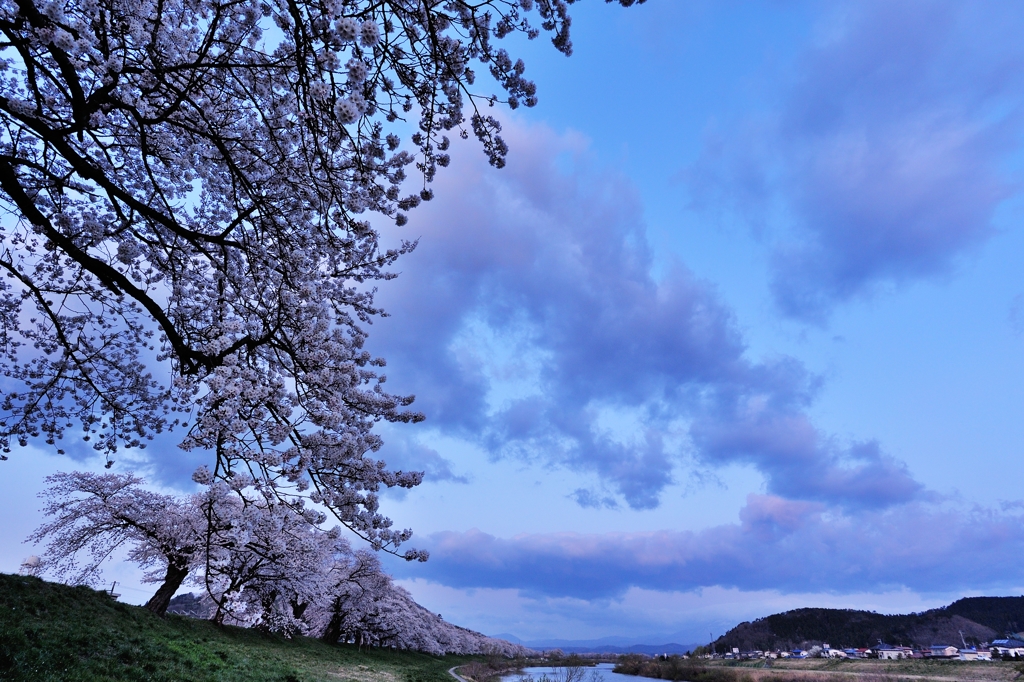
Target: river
(602, 672)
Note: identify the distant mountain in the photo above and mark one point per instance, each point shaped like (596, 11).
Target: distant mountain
(509, 638)
(586, 643)
(649, 649)
(980, 619)
(604, 645)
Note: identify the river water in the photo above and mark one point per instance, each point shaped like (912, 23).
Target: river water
(602, 672)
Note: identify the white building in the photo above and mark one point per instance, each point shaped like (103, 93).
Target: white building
(892, 653)
(1013, 647)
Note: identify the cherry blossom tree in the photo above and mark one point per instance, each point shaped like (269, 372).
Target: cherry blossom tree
(262, 563)
(94, 515)
(356, 584)
(186, 246)
(285, 605)
(399, 622)
(364, 606)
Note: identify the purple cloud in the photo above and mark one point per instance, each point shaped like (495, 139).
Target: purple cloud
(800, 462)
(791, 546)
(528, 321)
(886, 155)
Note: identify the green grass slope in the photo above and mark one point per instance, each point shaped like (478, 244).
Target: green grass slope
(50, 631)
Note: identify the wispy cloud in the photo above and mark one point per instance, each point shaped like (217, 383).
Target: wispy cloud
(886, 154)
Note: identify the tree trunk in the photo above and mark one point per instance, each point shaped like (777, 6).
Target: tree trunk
(172, 581)
(332, 633)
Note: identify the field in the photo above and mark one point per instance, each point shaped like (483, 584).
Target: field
(824, 670)
(54, 632)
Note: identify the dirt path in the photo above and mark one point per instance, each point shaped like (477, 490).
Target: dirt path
(460, 678)
(363, 673)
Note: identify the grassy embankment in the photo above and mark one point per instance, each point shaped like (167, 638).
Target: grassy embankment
(824, 670)
(54, 632)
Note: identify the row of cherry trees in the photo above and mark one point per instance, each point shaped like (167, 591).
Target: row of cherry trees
(186, 245)
(186, 189)
(259, 562)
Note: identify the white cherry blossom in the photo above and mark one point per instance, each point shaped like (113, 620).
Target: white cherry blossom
(186, 247)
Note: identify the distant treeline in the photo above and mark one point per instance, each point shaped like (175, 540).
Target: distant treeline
(980, 619)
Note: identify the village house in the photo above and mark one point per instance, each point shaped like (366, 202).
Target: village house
(829, 652)
(890, 652)
(1012, 647)
(974, 654)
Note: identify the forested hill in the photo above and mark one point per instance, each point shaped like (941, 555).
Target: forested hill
(1005, 614)
(981, 619)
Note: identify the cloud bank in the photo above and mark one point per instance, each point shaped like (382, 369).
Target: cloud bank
(778, 544)
(648, 616)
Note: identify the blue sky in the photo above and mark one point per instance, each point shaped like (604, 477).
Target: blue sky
(739, 328)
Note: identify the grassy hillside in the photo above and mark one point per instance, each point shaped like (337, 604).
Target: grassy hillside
(55, 632)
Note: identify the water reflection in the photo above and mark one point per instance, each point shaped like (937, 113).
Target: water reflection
(602, 672)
